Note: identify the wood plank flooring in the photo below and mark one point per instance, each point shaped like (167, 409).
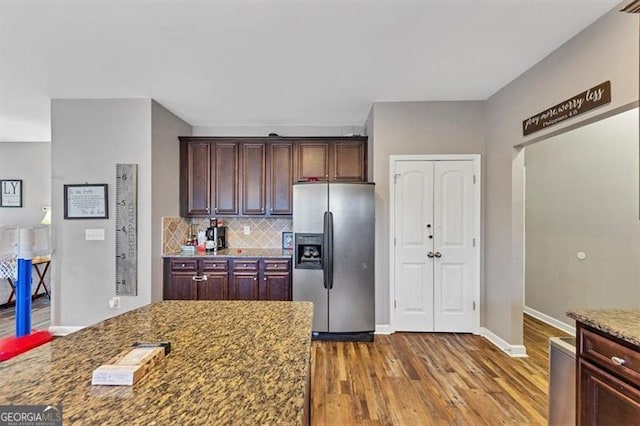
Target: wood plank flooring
(40, 316)
(431, 379)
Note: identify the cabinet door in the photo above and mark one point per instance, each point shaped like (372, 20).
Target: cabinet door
(276, 280)
(243, 286)
(348, 161)
(281, 178)
(253, 178)
(195, 178)
(182, 286)
(225, 178)
(243, 283)
(312, 161)
(277, 286)
(216, 286)
(604, 399)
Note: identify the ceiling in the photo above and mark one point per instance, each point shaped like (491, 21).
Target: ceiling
(270, 63)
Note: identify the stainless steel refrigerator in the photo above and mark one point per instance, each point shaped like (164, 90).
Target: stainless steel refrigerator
(333, 225)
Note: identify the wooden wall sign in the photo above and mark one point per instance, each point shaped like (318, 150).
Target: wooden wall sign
(581, 103)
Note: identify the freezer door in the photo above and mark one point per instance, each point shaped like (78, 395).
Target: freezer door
(309, 205)
(352, 296)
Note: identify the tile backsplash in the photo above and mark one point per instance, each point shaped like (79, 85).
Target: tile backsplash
(265, 233)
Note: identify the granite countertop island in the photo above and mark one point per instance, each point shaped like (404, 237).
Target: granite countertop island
(621, 323)
(231, 362)
(235, 252)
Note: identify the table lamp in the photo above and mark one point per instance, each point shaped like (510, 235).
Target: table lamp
(23, 243)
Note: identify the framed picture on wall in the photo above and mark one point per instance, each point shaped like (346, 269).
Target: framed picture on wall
(287, 240)
(11, 193)
(86, 201)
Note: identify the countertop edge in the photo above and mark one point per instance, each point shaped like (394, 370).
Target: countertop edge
(611, 321)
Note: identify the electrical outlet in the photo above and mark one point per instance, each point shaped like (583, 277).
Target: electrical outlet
(94, 234)
(247, 230)
(114, 302)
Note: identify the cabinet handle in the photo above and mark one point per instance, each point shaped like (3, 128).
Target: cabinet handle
(207, 208)
(197, 278)
(430, 254)
(437, 254)
(183, 265)
(618, 361)
(255, 278)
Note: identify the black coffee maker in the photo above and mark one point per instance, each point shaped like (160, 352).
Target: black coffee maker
(216, 236)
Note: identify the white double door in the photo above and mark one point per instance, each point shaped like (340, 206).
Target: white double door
(435, 254)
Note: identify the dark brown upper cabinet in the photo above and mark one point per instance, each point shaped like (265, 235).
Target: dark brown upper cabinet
(333, 160)
(280, 178)
(195, 178)
(348, 161)
(312, 161)
(226, 178)
(254, 164)
(249, 176)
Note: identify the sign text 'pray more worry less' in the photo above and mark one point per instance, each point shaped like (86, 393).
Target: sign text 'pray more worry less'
(578, 104)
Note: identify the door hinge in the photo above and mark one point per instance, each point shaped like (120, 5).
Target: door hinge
(474, 305)
(474, 242)
(474, 178)
(394, 241)
(395, 177)
(394, 304)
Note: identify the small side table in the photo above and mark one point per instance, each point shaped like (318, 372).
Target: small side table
(40, 264)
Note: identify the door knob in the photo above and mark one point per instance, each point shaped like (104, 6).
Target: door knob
(437, 254)
(430, 254)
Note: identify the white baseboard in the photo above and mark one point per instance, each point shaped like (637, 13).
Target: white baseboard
(550, 320)
(383, 329)
(59, 330)
(514, 351)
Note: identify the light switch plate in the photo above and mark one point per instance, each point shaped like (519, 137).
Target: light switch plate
(94, 234)
(247, 230)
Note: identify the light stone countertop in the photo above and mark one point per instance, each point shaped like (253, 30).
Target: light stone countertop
(235, 252)
(231, 362)
(621, 323)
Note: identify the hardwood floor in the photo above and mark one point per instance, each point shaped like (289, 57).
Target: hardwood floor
(424, 379)
(40, 316)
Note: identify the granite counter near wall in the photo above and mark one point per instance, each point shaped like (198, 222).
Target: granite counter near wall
(265, 232)
(240, 252)
(621, 323)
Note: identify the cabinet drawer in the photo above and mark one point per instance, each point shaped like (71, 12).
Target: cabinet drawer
(215, 265)
(184, 265)
(276, 265)
(610, 355)
(245, 265)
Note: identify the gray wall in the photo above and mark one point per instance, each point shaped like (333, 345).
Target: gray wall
(415, 128)
(607, 50)
(582, 195)
(88, 138)
(165, 178)
(280, 130)
(31, 162)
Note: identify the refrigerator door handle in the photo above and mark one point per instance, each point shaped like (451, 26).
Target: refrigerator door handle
(325, 245)
(329, 250)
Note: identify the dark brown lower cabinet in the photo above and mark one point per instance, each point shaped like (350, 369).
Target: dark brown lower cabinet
(216, 284)
(608, 379)
(276, 280)
(608, 400)
(227, 279)
(243, 284)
